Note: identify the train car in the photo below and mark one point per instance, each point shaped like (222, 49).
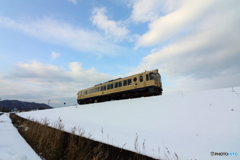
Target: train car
(144, 84)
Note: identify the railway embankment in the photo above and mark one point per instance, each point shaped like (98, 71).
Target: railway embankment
(54, 143)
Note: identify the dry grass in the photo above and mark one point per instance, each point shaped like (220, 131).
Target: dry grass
(56, 144)
(166, 152)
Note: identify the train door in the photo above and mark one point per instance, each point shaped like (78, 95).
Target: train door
(147, 79)
(142, 82)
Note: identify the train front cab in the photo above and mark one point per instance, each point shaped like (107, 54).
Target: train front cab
(156, 89)
(150, 81)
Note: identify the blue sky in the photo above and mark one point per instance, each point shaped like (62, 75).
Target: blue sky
(52, 49)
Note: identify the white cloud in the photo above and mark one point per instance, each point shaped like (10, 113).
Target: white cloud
(55, 55)
(40, 82)
(61, 33)
(149, 10)
(176, 22)
(188, 84)
(206, 56)
(73, 1)
(114, 29)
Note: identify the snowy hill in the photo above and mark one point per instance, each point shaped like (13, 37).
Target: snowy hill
(192, 125)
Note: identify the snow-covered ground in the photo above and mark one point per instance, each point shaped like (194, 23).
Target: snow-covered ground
(192, 125)
(12, 145)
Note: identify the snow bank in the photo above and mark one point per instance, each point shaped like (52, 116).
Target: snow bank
(192, 125)
(12, 145)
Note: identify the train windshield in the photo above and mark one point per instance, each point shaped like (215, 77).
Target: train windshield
(153, 76)
(159, 78)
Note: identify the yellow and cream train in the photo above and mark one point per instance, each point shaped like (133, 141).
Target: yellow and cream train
(144, 84)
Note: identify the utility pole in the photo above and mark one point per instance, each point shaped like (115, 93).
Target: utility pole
(48, 102)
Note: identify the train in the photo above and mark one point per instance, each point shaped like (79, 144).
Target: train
(144, 84)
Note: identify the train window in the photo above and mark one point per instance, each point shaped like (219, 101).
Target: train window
(110, 86)
(97, 89)
(124, 82)
(127, 82)
(116, 85)
(147, 77)
(141, 78)
(103, 88)
(120, 84)
(85, 92)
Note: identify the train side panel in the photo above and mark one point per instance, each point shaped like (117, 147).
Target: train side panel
(143, 84)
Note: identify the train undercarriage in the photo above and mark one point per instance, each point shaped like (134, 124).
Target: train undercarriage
(136, 93)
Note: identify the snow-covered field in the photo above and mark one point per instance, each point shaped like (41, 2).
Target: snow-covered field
(12, 145)
(192, 125)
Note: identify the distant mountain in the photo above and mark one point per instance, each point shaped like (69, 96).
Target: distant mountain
(8, 105)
